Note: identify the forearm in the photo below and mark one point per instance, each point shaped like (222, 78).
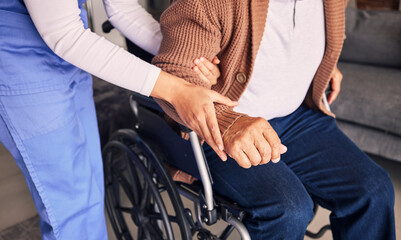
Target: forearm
(132, 20)
(62, 29)
(167, 86)
(189, 32)
(173, 87)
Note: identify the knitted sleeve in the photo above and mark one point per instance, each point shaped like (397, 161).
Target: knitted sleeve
(191, 29)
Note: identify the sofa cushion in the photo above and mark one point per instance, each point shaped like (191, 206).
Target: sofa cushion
(373, 141)
(373, 37)
(370, 96)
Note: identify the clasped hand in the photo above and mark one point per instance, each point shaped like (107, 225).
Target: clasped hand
(252, 141)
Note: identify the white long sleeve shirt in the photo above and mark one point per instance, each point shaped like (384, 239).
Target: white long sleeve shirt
(132, 20)
(60, 26)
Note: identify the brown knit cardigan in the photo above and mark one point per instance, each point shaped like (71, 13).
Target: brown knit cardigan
(233, 30)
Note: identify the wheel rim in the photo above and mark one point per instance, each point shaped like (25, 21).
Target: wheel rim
(125, 162)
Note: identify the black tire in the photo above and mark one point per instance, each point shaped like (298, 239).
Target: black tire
(135, 176)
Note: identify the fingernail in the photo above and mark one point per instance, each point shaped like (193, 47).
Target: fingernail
(202, 59)
(283, 149)
(196, 69)
(220, 147)
(276, 160)
(197, 61)
(224, 158)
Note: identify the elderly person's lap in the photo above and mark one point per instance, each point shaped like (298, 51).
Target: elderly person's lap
(321, 163)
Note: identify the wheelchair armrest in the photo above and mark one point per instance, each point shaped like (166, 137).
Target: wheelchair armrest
(150, 103)
(147, 102)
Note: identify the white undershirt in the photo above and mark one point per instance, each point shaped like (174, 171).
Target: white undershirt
(291, 50)
(59, 24)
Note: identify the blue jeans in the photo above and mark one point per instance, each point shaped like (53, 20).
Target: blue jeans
(54, 139)
(321, 164)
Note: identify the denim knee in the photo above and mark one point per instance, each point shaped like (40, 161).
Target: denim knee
(296, 215)
(374, 189)
(381, 193)
(288, 219)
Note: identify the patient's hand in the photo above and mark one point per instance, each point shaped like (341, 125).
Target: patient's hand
(252, 141)
(206, 70)
(335, 81)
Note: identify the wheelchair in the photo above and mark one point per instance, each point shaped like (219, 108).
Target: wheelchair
(139, 188)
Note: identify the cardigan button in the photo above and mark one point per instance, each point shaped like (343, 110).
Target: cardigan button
(241, 77)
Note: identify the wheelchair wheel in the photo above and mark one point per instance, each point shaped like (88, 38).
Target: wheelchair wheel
(135, 182)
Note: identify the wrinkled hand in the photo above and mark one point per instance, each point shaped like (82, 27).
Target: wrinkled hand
(252, 141)
(194, 105)
(335, 81)
(206, 70)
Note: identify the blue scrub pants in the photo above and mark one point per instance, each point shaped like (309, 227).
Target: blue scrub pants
(53, 137)
(321, 163)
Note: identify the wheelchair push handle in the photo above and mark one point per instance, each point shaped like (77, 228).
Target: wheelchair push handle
(107, 27)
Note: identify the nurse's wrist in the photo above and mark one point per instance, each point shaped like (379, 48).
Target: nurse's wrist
(167, 86)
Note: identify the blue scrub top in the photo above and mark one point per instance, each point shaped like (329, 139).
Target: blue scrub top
(27, 64)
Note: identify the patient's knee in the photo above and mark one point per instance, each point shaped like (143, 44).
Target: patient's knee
(291, 215)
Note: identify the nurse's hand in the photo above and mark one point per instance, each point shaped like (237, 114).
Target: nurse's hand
(194, 105)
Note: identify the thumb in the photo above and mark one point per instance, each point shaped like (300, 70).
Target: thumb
(218, 98)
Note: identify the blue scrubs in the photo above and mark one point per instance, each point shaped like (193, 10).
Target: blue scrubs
(48, 123)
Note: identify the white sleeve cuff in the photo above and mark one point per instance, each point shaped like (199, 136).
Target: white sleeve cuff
(151, 78)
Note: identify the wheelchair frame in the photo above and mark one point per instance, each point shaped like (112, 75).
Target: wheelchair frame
(208, 207)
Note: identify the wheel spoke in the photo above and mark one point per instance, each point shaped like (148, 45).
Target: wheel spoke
(148, 235)
(126, 187)
(154, 231)
(126, 235)
(140, 233)
(156, 216)
(133, 176)
(145, 200)
(162, 189)
(125, 209)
